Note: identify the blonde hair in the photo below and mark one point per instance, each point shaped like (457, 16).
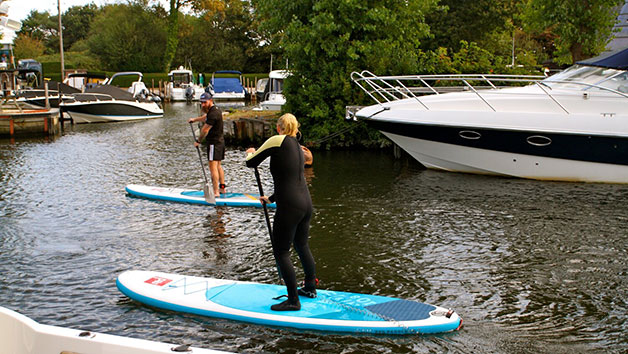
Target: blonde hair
(288, 124)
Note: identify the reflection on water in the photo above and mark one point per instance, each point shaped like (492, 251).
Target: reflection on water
(530, 266)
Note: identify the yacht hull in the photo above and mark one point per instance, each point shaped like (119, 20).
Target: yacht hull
(516, 153)
(111, 111)
(458, 158)
(179, 94)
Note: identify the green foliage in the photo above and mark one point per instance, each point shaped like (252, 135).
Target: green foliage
(72, 60)
(222, 38)
(470, 21)
(143, 33)
(77, 22)
(579, 29)
(43, 27)
(172, 38)
(27, 47)
(326, 40)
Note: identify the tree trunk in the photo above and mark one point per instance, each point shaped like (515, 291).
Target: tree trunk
(172, 40)
(576, 52)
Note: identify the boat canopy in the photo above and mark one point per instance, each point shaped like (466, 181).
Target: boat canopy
(613, 60)
(113, 91)
(235, 72)
(59, 86)
(279, 74)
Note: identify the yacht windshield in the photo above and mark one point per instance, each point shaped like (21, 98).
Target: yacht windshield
(181, 78)
(577, 76)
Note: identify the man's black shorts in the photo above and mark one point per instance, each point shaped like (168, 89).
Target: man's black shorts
(216, 152)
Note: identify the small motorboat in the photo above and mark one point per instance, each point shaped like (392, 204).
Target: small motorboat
(273, 98)
(109, 103)
(228, 86)
(182, 86)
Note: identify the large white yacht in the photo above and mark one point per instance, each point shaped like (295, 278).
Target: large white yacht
(572, 126)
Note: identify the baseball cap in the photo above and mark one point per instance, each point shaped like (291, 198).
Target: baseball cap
(206, 96)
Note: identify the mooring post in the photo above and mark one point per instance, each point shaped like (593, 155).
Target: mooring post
(46, 95)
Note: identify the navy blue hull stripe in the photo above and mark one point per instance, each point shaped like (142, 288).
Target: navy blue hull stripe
(108, 109)
(578, 147)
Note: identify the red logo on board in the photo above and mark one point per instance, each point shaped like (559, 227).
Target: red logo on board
(159, 281)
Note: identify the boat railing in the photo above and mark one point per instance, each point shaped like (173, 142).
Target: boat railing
(384, 89)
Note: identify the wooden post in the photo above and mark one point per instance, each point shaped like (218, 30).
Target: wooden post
(46, 124)
(11, 127)
(47, 105)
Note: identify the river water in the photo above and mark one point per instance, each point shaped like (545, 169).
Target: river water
(532, 267)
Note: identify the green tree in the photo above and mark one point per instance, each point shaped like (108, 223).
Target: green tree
(470, 21)
(220, 38)
(77, 22)
(27, 47)
(172, 36)
(580, 28)
(208, 7)
(326, 40)
(129, 37)
(43, 27)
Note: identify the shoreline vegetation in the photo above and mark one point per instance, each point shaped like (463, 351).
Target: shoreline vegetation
(321, 44)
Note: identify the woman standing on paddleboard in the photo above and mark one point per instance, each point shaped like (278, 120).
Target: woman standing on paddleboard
(294, 208)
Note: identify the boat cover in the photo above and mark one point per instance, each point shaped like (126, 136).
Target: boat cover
(113, 91)
(614, 60)
(227, 84)
(55, 85)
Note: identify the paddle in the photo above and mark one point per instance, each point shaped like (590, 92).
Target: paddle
(208, 192)
(270, 229)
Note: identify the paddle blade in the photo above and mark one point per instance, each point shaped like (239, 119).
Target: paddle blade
(208, 192)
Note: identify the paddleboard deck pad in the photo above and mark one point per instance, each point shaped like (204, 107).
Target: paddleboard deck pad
(181, 195)
(332, 311)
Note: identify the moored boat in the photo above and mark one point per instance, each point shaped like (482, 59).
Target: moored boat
(182, 86)
(228, 87)
(272, 98)
(569, 127)
(21, 335)
(109, 103)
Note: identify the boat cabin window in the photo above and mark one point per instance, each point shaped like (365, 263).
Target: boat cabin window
(276, 85)
(581, 75)
(180, 79)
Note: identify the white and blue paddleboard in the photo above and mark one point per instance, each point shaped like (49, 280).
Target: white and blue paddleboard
(181, 195)
(331, 311)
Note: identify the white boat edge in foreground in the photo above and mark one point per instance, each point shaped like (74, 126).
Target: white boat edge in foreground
(22, 335)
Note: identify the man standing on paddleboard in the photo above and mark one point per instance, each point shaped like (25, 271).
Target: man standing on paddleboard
(213, 132)
(294, 208)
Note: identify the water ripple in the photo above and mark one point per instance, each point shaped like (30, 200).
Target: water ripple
(530, 266)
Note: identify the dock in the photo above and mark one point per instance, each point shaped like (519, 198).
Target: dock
(30, 122)
(249, 128)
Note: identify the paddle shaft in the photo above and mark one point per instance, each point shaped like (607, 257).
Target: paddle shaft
(200, 158)
(270, 229)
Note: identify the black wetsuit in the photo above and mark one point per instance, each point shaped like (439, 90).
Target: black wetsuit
(294, 207)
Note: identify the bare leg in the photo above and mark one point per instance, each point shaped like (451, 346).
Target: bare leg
(214, 170)
(221, 175)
